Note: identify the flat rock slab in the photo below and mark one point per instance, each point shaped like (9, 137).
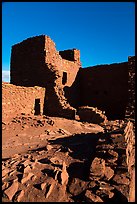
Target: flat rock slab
(20, 196)
(109, 172)
(10, 192)
(25, 179)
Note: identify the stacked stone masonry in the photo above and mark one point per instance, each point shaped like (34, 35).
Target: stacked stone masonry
(130, 155)
(51, 82)
(130, 110)
(105, 87)
(19, 99)
(36, 62)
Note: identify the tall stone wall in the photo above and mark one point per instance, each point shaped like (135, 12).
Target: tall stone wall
(36, 62)
(105, 87)
(19, 99)
(61, 73)
(27, 60)
(130, 110)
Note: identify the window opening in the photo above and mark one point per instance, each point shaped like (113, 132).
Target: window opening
(64, 78)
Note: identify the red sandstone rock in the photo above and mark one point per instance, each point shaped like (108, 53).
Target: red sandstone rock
(77, 186)
(26, 178)
(92, 184)
(5, 172)
(131, 197)
(97, 167)
(109, 173)
(5, 185)
(43, 185)
(113, 155)
(20, 196)
(50, 189)
(121, 179)
(64, 175)
(92, 197)
(105, 192)
(10, 192)
(106, 186)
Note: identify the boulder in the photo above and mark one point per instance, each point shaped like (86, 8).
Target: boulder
(77, 186)
(97, 167)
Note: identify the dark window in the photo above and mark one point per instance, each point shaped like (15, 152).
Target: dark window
(64, 78)
(37, 107)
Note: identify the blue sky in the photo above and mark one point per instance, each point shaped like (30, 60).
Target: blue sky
(103, 31)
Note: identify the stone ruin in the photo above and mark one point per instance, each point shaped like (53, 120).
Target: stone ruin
(36, 62)
(50, 82)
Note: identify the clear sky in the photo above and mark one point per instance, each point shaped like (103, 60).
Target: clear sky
(103, 31)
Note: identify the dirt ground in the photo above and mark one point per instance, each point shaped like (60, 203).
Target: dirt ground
(51, 159)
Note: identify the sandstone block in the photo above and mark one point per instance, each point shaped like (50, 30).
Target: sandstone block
(121, 179)
(64, 175)
(105, 192)
(20, 196)
(27, 169)
(25, 179)
(10, 192)
(77, 186)
(5, 172)
(97, 167)
(109, 173)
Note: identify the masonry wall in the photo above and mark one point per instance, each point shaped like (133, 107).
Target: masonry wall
(130, 154)
(60, 64)
(27, 60)
(18, 99)
(36, 62)
(56, 101)
(130, 110)
(71, 55)
(105, 87)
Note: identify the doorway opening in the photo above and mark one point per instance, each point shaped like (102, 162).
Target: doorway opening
(37, 106)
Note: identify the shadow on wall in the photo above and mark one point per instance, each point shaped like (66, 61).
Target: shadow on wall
(73, 93)
(105, 87)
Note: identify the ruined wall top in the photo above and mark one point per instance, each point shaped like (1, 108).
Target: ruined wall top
(40, 41)
(33, 58)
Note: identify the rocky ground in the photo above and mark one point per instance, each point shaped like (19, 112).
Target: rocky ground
(54, 159)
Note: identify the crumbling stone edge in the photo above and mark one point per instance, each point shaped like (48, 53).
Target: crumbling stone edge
(130, 155)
